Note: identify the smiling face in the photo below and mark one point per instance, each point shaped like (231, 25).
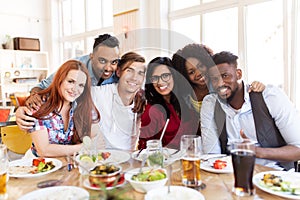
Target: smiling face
(196, 71)
(163, 86)
(224, 78)
(104, 61)
(73, 85)
(131, 77)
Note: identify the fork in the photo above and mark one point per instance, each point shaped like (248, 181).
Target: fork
(208, 157)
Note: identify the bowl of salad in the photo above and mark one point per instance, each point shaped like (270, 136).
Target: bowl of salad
(147, 179)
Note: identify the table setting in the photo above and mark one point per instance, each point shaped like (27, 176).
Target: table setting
(165, 177)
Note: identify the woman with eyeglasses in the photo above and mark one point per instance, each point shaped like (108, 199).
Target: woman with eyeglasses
(163, 90)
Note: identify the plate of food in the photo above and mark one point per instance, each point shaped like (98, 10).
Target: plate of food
(280, 183)
(34, 167)
(57, 192)
(170, 155)
(219, 163)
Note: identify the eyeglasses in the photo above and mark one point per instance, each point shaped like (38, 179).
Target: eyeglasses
(104, 61)
(164, 77)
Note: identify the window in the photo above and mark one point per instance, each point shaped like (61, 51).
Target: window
(179, 4)
(183, 25)
(82, 21)
(220, 30)
(264, 30)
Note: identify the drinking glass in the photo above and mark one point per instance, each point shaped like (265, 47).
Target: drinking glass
(86, 160)
(190, 145)
(155, 157)
(243, 160)
(3, 172)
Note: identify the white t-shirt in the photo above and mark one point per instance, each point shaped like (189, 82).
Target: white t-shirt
(117, 120)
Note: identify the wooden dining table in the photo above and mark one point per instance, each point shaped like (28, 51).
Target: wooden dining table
(218, 186)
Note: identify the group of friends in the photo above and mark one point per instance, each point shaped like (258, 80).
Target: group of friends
(122, 102)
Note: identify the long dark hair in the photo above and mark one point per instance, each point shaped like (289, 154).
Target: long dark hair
(198, 51)
(153, 97)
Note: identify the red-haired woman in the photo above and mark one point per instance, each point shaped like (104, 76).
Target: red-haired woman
(67, 115)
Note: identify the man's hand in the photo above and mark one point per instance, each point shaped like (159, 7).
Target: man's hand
(34, 101)
(256, 87)
(24, 119)
(139, 102)
(243, 135)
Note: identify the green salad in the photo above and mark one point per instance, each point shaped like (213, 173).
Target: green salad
(150, 175)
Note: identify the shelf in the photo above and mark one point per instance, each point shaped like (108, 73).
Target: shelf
(18, 64)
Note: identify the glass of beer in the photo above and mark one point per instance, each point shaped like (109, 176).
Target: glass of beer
(243, 160)
(190, 145)
(3, 171)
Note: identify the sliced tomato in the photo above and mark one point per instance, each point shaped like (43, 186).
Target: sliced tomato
(105, 155)
(36, 161)
(220, 164)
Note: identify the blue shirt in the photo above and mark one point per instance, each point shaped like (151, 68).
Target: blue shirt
(87, 61)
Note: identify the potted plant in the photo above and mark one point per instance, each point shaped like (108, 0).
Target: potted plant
(6, 41)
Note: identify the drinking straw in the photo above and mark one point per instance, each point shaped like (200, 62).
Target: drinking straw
(164, 130)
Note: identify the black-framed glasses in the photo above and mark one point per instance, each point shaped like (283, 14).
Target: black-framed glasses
(164, 77)
(104, 61)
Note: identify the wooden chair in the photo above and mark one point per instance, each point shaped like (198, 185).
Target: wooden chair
(16, 140)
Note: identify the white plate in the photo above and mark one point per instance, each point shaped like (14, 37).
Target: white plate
(171, 155)
(208, 165)
(87, 184)
(286, 176)
(177, 193)
(116, 156)
(28, 162)
(57, 193)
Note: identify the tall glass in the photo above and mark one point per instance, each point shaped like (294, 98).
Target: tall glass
(190, 145)
(243, 160)
(3, 172)
(155, 157)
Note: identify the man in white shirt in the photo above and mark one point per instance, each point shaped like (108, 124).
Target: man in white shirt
(272, 121)
(119, 125)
